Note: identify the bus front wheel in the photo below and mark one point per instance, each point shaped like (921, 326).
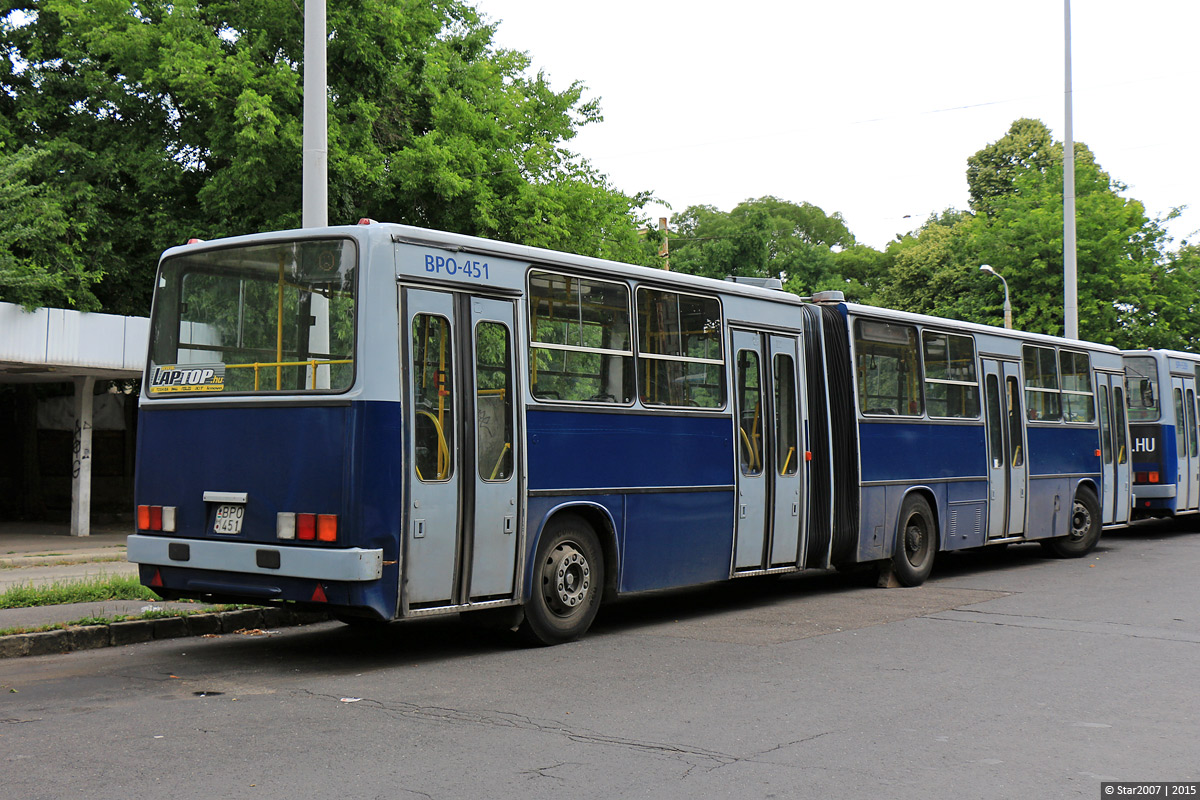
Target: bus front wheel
(1085, 527)
(568, 581)
(916, 542)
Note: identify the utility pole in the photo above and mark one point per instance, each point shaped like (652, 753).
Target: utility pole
(315, 178)
(664, 250)
(1070, 287)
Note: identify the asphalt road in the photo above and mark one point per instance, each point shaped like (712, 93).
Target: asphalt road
(1008, 675)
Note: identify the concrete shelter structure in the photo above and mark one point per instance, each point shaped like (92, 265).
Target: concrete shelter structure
(54, 345)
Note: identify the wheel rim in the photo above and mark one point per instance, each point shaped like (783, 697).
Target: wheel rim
(916, 540)
(1081, 521)
(566, 579)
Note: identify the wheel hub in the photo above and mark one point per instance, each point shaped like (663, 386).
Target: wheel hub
(914, 539)
(1081, 521)
(566, 578)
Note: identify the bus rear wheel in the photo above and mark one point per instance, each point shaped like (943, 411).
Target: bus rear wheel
(916, 542)
(1085, 527)
(568, 581)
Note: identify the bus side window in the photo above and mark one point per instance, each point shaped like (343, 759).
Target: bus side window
(433, 397)
(493, 401)
(749, 412)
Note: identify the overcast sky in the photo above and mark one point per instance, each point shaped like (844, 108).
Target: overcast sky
(869, 108)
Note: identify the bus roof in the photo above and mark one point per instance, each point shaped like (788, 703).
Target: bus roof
(972, 327)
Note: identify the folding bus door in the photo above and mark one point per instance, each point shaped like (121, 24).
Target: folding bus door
(1007, 470)
(770, 451)
(1114, 461)
(1187, 447)
(788, 452)
(461, 513)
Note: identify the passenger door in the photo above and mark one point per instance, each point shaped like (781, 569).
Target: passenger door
(1007, 470)
(1186, 445)
(1114, 451)
(771, 452)
(462, 531)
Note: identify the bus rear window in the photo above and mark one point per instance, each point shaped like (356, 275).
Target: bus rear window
(1141, 376)
(262, 319)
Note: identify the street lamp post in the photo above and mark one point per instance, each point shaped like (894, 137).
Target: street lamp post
(1007, 305)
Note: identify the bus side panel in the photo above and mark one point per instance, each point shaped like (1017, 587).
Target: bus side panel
(1063, 450)
(1058, 456)
(949, 460)
(680, 536)
(677, 540)
(573, 450)
(916, 452)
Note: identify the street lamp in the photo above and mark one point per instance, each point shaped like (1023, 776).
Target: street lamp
(1007, 305)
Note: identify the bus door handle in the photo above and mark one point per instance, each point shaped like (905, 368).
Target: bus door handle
(418, 529)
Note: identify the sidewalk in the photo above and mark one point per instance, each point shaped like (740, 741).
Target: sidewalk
(45, 553)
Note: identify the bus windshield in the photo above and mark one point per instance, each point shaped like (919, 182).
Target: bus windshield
(1141, 376)
(264, 319)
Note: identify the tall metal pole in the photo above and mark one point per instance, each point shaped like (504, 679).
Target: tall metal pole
(1070, 287)
(314, 184)
(314, 181)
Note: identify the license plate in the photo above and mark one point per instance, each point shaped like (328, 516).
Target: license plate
(229, 518)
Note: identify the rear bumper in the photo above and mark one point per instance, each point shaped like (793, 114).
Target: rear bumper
(1145, 491)
(347, 564)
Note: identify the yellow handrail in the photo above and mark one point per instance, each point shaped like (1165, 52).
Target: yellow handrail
(314, 363)
(443, 465)
(788, 461)
(500, 460)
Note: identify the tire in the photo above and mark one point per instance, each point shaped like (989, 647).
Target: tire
(916, 542)
(1085, 527)
(568, 582)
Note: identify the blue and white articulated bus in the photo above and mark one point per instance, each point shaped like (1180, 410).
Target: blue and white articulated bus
(1163, 431)
(392, 422)
(971, 435)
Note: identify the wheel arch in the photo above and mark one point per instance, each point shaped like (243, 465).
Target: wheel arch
(602, 524)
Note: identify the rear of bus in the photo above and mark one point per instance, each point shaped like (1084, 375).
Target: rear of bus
(1152, 438)
(253, 466)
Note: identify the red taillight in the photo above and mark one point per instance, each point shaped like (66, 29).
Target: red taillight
(1154, 477)
(327, 527)
(306, 527)
(156, 518)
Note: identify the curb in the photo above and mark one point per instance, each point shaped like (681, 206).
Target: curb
(110, 555)
(116, 634)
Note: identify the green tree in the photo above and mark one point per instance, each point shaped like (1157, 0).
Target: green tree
(764, 237)
(1016, 224)
(43, 227)
(185, 119)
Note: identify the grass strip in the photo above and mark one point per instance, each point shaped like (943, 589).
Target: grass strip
(153, 614)
(93, 590)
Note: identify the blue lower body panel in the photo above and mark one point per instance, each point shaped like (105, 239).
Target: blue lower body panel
(663, 540)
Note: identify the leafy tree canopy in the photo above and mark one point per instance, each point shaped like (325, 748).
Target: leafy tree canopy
(1016, 187)
(765, 237)
(169, 120)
